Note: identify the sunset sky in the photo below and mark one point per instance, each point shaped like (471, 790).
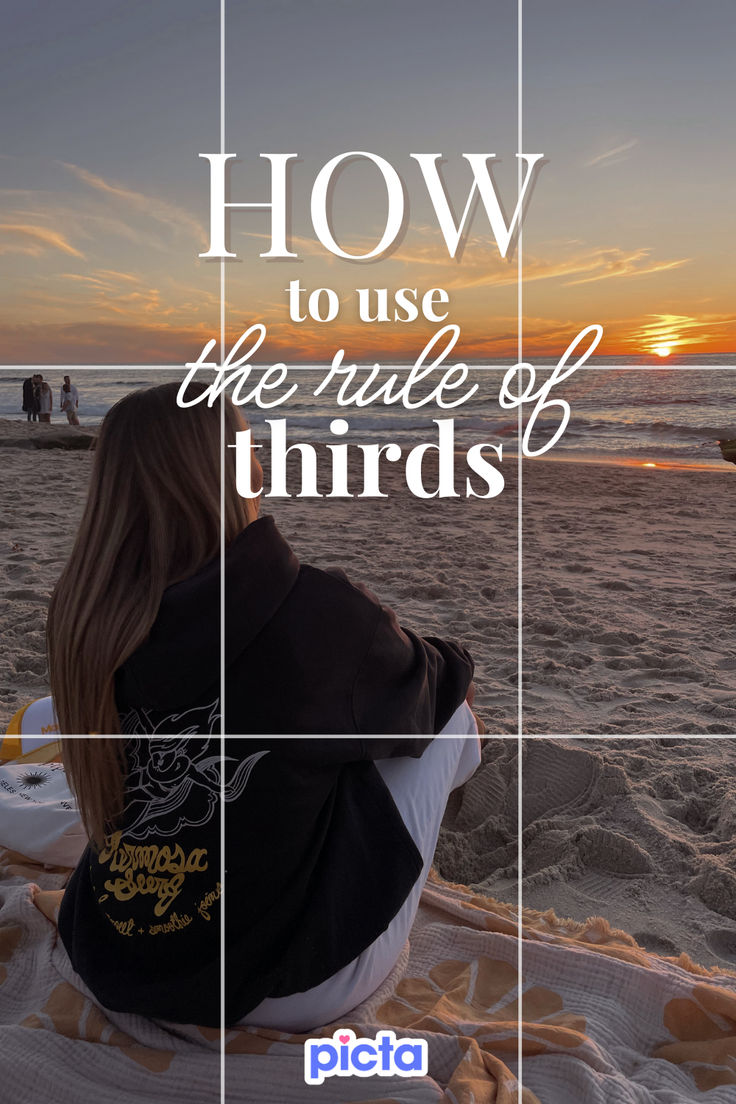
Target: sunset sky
(105, 201)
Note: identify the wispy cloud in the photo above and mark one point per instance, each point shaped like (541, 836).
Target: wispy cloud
(614, 155)
(33, 240)
(580, 267)
(91, 281)
(616, 262)
(105, 295)
(167, 214)
(83, 221)
(679, 330)
(113, 275)
(101, 343)
(307, 247)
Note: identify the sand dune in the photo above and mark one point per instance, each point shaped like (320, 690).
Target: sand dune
(641, 832)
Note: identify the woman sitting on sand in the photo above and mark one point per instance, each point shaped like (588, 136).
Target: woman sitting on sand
(134, 632)
(330, 840)
(329, 843)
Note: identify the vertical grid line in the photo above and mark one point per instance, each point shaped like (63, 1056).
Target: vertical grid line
(222, 592)
(519, 559)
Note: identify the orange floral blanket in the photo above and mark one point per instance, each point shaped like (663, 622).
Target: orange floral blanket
(602, 1020)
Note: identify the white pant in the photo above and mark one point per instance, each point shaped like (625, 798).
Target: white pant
(420, 788)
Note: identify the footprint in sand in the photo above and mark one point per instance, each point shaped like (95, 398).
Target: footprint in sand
(558, 780)
(657, 944)
(722, 942)
(696, 813)
(602, 849)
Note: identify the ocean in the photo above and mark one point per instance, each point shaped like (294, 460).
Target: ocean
(669, 412)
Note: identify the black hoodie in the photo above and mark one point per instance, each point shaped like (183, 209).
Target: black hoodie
(306, 653)
(319, 861)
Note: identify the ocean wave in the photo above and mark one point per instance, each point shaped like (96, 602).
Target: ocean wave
(624, 430)
(656, 400)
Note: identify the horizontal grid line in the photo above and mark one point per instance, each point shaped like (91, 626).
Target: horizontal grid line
(387, 367)
(484, 736)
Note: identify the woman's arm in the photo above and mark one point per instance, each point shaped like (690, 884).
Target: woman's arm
(409, 684)
(405, 684)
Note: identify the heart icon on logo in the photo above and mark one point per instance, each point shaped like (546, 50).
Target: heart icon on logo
(344, 1038)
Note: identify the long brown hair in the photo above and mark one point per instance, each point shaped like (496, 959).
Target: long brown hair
(96, 769)
(152, 518)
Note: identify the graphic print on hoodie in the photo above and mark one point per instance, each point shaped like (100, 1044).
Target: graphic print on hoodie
(156, 882)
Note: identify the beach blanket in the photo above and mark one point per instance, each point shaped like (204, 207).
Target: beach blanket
(603, 1020)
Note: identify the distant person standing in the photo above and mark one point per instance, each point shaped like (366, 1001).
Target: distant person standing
(45, 400)
(30, 398)
(69, 401)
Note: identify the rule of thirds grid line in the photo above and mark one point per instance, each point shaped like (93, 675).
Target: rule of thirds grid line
(519, 550)
(392, 367)
(222, 596)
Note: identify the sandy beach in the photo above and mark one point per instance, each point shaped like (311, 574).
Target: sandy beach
(629, 592)
(640, 832)
(629, 587)
(629, 596)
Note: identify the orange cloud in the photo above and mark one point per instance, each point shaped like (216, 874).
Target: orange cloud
(84, 342)
(33, 240)
(678, 331)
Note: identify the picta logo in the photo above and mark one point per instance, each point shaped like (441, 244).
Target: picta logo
(345, 1056)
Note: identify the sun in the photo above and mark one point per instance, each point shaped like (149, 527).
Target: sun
(662, 350)
(31, 780)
